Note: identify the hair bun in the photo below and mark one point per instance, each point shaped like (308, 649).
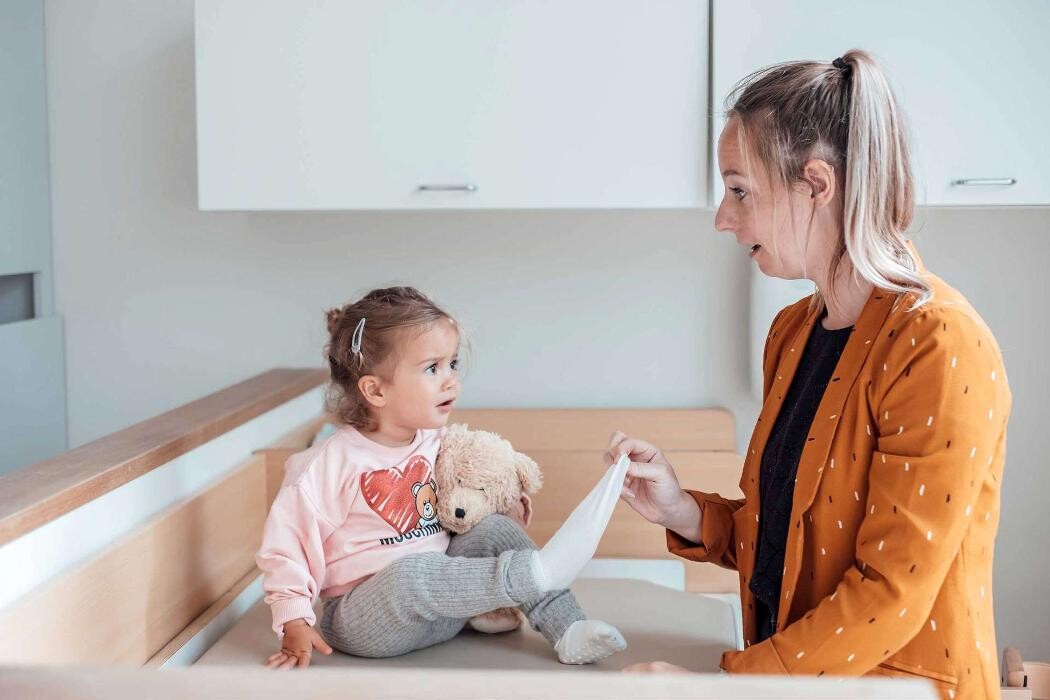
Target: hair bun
(334, 317)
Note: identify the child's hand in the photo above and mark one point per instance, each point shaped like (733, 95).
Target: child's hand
(300, 639)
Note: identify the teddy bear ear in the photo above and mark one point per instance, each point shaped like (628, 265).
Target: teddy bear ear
(528, 473)
(451, 442)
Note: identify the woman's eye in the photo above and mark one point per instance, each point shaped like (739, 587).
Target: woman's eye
(740, 194)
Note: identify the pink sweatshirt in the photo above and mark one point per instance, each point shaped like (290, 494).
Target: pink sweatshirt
(347, 508)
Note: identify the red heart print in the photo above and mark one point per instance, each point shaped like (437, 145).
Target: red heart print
(389, 492)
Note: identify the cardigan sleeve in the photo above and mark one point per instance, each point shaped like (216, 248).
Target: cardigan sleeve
(716, 531)
(939, 400)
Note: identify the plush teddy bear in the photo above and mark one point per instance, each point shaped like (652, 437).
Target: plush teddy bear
(478, 473)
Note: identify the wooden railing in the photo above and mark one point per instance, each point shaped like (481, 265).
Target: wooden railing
(41, 492)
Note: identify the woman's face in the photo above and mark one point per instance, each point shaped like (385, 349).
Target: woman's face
(771, 221)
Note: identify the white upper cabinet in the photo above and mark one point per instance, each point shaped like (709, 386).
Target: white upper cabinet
(359, 104)
(971, 76)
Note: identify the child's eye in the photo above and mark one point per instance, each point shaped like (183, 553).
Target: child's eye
(431, 369)
(454, 365)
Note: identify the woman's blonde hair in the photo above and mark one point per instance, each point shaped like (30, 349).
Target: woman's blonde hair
(844, 113)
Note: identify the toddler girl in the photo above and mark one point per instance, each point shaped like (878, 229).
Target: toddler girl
(355, 520)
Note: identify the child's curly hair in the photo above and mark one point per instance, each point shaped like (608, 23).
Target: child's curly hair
(388, 313)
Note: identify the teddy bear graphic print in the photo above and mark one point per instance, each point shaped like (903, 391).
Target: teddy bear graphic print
(405, 498)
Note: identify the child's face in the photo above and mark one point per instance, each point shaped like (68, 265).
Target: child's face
(425, 382)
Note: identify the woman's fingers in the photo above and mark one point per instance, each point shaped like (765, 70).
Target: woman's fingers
(619, 444)
(647, 471)
(637, 450)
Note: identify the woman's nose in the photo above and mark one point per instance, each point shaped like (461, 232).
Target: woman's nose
(723, 220)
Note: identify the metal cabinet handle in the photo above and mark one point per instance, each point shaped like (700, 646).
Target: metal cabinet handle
(469, 187)
(980, 181)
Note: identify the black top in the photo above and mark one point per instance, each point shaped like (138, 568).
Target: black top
(779, 464)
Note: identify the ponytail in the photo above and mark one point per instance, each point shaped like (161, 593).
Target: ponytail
(879, 195)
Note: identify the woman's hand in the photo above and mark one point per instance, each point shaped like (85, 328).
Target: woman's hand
(652, 489)
(655, 667)
(300, 639)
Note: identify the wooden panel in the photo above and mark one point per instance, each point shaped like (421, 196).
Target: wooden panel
(46, 490)
(275, 458)
(127, 603)
(277, 453)
(568, 475)
(590, 429)
(420, 684)
(202, 620)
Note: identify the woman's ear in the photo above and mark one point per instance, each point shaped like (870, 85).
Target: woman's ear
(371, 387)
(822, 181)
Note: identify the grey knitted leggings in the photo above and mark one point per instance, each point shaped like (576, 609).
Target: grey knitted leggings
(424, 599)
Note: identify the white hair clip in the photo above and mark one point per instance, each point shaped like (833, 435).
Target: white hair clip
(359, 336)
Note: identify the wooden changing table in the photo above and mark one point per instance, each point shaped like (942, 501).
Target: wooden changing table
(137, 551)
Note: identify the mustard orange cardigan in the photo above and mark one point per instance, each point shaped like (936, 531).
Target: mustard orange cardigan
(888, 566)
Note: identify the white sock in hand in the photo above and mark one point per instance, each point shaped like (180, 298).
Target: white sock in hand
(587, 641)
(559, 562)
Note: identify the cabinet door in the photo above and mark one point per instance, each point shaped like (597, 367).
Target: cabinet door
(356, 104)
(25, 203)
(970, 76)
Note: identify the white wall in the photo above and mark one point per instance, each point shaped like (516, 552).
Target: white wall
(999, 259)
(589, 308)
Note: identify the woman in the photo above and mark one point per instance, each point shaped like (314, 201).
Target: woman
(871, 484)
